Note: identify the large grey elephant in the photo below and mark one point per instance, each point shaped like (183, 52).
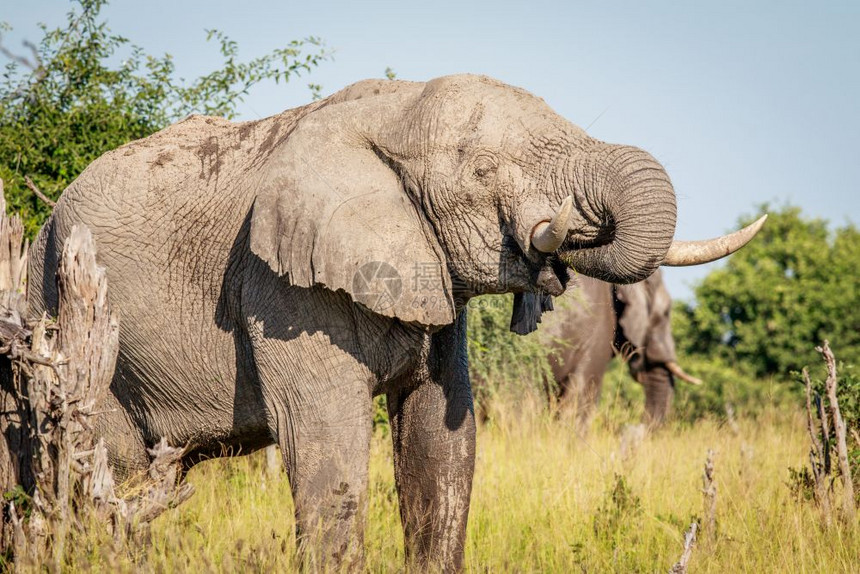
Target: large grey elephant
(595, 321)
(273, 276)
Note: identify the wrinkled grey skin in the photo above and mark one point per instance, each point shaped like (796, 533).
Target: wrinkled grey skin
(594, 321)
(237, 256)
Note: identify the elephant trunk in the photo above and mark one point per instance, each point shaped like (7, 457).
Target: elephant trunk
(659, 389)
(628, 198)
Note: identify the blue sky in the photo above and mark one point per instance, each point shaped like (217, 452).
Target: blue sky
(743, 102)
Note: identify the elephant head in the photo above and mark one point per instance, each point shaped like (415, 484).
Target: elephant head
(644, 339)
(413, 197)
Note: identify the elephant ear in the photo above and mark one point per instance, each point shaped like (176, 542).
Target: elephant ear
(527, 311)
(329, 212)
(661, 344)
(634, 316)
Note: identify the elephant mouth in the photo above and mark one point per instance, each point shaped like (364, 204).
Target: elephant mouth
(555, 273)
(552, 278)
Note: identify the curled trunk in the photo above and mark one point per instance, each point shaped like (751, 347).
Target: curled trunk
(629, 199)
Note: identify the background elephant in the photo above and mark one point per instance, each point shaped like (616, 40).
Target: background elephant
(595, 321)
(273, 276)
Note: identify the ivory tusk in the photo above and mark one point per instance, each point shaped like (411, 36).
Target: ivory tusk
(683, 253)
(676, 370)
(547, 236)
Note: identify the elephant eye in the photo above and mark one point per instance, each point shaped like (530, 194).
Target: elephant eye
(484, 166)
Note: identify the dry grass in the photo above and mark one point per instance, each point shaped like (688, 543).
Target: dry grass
(545, 500)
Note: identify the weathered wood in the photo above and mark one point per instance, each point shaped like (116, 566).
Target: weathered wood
(14, 448)
(59, 382)
(709, 490)
(848, 503)
(818, 457)
(680, 566)
(54, 378)
(164, 490)
(13, 259)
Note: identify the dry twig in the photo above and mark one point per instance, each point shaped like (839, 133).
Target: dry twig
(680, 566)
(39, 193)
(274, 462)
(709, 490)
(730, 418)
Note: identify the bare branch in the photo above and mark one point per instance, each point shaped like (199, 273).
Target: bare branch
(709, 490)
(848, 508)
(818, 458)
(35, 66)
(39, 193)
(22, 59)
(680, 566)
(274, 462)
(35, 51)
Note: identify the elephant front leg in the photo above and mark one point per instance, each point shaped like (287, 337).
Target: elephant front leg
(328, 472)
(323, 426)
(433, 429)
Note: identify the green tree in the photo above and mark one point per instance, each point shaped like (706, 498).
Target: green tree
(795, 284)
(87, 90)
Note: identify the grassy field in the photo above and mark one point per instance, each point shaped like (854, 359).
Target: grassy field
(545, 500)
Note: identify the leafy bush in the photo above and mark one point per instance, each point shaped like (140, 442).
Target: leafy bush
(848, 395)
(75, 102)
(503, 365)
(623, 399)
(505, 368)
(728, 384)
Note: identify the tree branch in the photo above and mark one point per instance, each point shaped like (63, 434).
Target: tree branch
(39, 193)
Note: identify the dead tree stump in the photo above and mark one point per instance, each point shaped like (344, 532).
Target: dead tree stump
(15, 449)
(819, 452)
(820, 449)
(848, 507)
(53, 378)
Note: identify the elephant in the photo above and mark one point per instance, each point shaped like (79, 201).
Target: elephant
(273, 276)
(596, 321)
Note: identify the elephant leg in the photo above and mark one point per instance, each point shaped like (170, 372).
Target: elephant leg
(325, 441)
(125, 444)
(580, 399)
(329, 478)
(433, 429)
(318, 409)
